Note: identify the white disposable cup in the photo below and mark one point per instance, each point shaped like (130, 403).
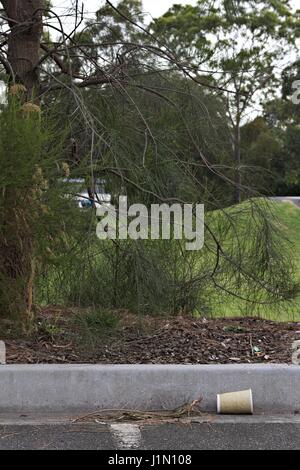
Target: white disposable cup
(233, 403)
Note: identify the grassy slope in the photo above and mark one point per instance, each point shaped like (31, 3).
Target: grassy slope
(289, 217)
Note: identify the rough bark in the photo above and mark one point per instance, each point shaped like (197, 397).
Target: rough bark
(25, 21)
(17, 241)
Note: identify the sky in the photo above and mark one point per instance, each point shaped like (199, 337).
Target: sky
(153, 7)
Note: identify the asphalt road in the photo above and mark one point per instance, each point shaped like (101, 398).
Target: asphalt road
(224, 434)
(293, 199)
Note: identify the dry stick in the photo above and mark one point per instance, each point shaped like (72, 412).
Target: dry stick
(251, 345)
(181, 410)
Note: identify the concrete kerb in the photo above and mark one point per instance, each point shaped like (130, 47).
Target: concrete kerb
(72, 388)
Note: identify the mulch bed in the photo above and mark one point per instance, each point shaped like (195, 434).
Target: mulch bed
(181, 340)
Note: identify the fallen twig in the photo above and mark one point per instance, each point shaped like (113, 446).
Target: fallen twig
(187, 410)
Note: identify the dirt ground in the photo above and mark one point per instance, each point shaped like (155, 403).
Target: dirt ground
(156, 341)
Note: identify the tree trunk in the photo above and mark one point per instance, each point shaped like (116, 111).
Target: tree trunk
(25, 18)
(237, 149)
(237, 157)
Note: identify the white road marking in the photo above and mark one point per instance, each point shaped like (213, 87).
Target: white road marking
(127, 436)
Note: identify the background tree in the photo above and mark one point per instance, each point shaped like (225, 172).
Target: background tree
(239, 46)
(283, 117)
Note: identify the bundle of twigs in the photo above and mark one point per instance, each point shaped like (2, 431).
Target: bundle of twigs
(185, 411)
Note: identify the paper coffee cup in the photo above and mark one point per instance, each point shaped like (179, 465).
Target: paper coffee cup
(235, 403)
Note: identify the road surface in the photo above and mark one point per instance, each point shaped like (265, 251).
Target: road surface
(293, 199)
(223, 433)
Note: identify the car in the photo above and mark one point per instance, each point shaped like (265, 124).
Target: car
(80, 193)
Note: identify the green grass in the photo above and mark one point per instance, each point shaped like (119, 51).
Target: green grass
(288, 217)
